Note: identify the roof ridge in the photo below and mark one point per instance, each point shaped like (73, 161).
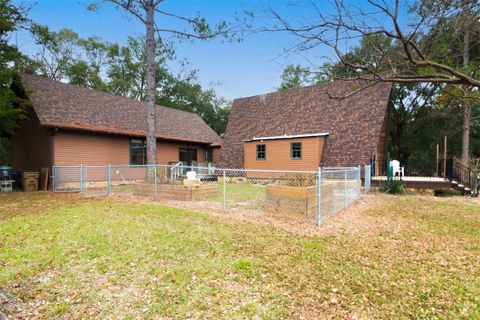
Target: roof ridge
(102, 92)
(297, 88)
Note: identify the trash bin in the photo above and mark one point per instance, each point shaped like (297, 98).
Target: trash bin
(30, 181)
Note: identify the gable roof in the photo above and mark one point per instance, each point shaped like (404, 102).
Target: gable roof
(73, 107)
(353, 120)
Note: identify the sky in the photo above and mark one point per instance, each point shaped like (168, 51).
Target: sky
(253, 66)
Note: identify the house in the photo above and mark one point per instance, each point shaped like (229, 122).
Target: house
(335, 124)
(72, 125)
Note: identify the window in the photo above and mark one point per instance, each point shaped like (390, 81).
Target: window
(296, 150)
(209, 155)
(138, 152)
(187, 155)
(261, 152)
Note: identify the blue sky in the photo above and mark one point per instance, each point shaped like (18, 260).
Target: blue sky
(251, 67)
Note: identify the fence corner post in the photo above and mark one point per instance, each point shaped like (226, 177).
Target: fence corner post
(345, 204)
(359, 186)
(109, 179)
(224, 192)
(82, 190)
(54, 187)
(319, 197)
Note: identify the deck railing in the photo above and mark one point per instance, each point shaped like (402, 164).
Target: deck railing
(418, 167)
(451, 169)
(464, 175)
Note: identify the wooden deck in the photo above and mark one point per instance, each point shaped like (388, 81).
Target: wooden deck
(418, 182)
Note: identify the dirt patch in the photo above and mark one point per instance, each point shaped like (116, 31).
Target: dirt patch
(24, 203)
(351, 221)
(9, 305)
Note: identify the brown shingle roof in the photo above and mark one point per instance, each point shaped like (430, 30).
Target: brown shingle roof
(74, 107)
(354, 123)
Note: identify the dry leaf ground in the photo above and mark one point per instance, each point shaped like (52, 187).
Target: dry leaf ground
(385, 257)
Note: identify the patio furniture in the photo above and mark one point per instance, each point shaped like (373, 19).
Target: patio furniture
(6, 179)
(6, 185)
(395, 164)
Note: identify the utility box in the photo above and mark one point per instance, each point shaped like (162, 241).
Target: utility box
(30, 181)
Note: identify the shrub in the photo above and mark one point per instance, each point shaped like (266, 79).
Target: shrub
(446, 193)
(393, 187)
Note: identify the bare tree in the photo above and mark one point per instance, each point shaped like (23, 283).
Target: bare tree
(351, 21)
(415, 58)
(193, 27)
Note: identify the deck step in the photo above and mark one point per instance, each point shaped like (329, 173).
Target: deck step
(454, 183)
(461, 186)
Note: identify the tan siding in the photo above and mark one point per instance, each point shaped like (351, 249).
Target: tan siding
(32, 145)
(74, 148)
(216, 151)
(278, 154)
(200, 153)
(167, 152)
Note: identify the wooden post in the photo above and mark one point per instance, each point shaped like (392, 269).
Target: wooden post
(436, 162)
(445, 157)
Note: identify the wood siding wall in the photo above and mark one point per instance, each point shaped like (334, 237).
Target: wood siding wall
(75, 147)
(216, 151)
(169, 151)
(278, 154)
(31, 145)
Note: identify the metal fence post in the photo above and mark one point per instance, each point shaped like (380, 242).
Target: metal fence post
(345, 190)
(368, 177)
(109, 172)
(319, 197)
(224, 191)
(359, 185)
(365, 190)
(155, 182)
(81, 180)
(54, 187)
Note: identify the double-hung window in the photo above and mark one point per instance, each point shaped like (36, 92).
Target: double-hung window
(138, 152)
(261, 152)
(296, 150)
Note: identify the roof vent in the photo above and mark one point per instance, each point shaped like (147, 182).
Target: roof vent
(263, 98)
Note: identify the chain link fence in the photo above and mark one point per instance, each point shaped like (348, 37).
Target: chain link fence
(67, 178)
(305, 195)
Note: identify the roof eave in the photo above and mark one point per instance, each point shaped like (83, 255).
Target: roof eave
(118, 132)
(298, 136)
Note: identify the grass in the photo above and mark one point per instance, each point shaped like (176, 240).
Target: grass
(103, 259)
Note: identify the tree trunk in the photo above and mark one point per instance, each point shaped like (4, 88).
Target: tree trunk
(150, 84)
(466, 134)
(466, 106)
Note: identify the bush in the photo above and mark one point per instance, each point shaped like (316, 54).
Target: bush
(393, 187)
(446, 193)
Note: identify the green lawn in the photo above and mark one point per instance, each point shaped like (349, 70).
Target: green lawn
(66, 257)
